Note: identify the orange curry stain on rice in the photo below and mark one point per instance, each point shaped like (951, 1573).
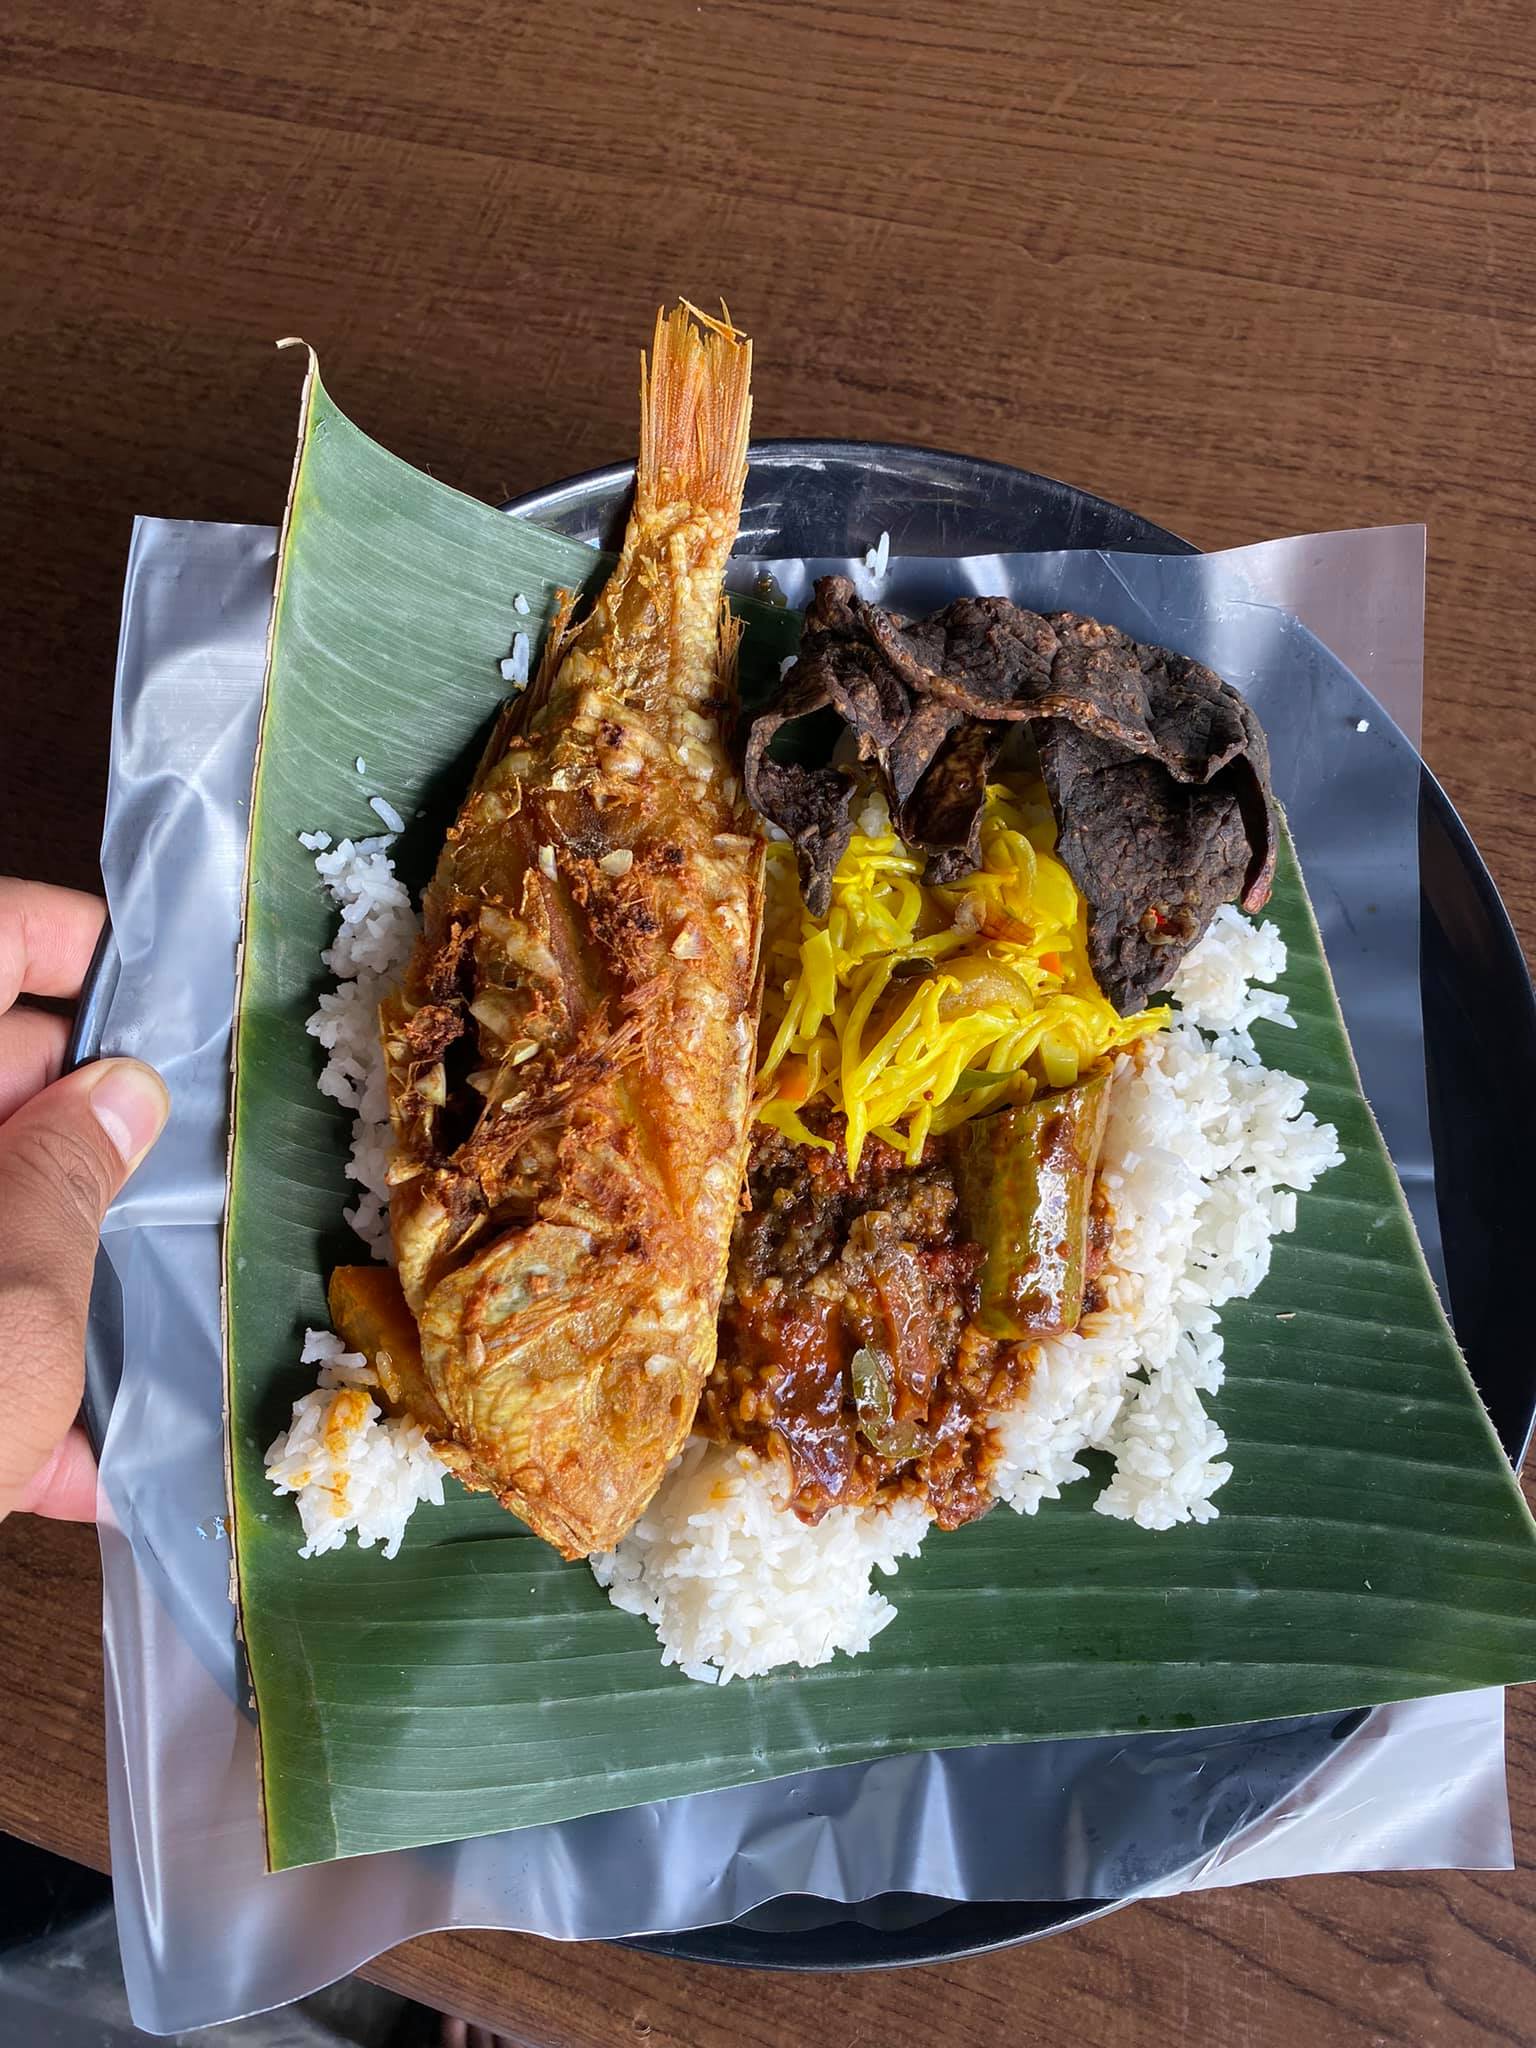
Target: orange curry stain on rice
(344, 1417)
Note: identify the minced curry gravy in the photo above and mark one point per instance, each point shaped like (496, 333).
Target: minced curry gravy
(840, 1285)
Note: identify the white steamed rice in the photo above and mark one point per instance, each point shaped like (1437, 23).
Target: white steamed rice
(355, 1472)
(373, 941)
(1203, 1157)
(878, 558)
(736, 1586)
(1205, 1153)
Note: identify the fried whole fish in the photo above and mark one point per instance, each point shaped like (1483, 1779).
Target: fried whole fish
(570, 1056)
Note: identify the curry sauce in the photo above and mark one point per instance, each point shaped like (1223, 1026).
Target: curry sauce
(850, 1348)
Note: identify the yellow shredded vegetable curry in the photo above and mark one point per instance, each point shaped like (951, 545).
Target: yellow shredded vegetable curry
(912, 1008)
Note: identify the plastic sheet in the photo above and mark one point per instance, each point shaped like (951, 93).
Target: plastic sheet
(206, 1933)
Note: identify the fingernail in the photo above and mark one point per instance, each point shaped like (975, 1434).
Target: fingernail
(131, 1104)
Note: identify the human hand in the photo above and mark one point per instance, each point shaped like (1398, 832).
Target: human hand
(66, 1147)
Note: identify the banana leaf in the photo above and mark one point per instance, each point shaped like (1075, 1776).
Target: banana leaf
(1372, 1545)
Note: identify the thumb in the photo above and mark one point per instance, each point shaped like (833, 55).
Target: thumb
(63, 1156)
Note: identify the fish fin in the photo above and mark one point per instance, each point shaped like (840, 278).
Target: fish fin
(371, 1314)
(695, 413)
(501, 1130)
(556, 641)
(512, 720)
(732, 632)
(508, 722)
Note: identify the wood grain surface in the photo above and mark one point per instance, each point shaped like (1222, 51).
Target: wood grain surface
(1249, 269)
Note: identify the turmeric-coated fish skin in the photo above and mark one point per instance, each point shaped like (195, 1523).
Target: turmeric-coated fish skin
(570, 1057)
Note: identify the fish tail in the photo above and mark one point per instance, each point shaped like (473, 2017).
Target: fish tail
(695, 413)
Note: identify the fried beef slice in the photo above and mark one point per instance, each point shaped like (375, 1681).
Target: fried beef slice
(1158, 773)
(1157, 770)
(907, 693)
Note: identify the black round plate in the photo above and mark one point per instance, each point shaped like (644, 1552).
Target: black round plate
(835, 498)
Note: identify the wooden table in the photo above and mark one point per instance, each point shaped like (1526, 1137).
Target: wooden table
(1250, 269)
